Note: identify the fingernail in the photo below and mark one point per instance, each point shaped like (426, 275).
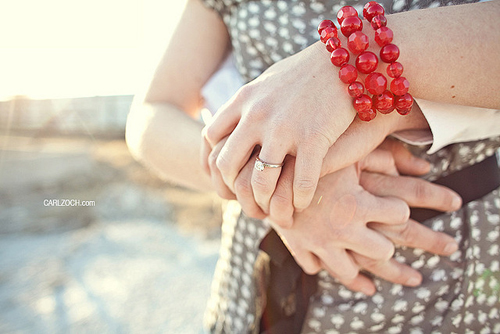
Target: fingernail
(413, 281)
(456, 202)
(422, 164)
(451, 248)
(369, 291)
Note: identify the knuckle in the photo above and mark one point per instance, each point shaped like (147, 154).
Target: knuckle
(212, 161)
(306, 261)
(256, 115)
(371, 181)
(404, 214)
(383, 253)
(347, 275)
(304, 186)
(282, 203)
(407, 235)
(224, 193)
(389, 158)
(369, 263)
(244, 93)
(389, 253)
(261, 184)
(252, 211)
(310, 268)
(243, 188)
(211, 134)
(337, 235)
(420, 191)
(283, 223)
(222, 163)
(319, 137)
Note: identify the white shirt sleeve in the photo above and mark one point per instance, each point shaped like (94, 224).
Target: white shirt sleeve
(222, 85)
(450, 123)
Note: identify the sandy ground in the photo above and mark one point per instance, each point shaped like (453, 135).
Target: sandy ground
(139, 261)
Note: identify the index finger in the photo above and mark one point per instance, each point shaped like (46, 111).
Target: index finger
(416, 235)
(222, 123)
(418, 193)
(308, 164)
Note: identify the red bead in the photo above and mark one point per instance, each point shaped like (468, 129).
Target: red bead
(384, 102)
(389, 53)
(348, 73)
(333, 44)
(403, 111)
(355, 89)
(350, 25)
(395, 70)
(345, 12)
(367, 115)
(325, 24)
(404, 103)
(400, 86)
(328, 33)
(378, 21)
(357, 42)
(375, 83)
(368, 4)
(339, 57)
(383, 36)
(362, 103)
(370, 11)
(366, 62)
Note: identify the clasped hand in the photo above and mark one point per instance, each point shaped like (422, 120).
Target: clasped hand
(293, 108)
(357, 215)
(296, 114)
(296, 108)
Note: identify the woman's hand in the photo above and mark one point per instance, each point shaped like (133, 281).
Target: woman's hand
(293, 109)
(356, 142)
(297, 107)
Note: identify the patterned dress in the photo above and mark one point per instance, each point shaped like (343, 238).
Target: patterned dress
(459, 294)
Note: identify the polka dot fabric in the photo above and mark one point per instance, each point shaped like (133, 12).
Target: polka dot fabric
(233, 307)
(459, 294)
(266, 31)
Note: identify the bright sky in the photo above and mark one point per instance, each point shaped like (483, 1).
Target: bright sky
(61, 48)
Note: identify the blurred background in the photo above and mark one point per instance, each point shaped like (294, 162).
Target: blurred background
(139, 256)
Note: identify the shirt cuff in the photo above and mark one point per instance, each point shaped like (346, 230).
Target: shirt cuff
(451, 123)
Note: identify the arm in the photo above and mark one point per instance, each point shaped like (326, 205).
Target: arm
(162, 128)
(300, 103)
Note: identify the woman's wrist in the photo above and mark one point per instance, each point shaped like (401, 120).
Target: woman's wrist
(413, 121)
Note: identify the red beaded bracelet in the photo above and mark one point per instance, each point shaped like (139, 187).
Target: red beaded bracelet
(382, 100)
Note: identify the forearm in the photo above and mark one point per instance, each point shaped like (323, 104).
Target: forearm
(447, 55)
(167, 140)
(450, 53)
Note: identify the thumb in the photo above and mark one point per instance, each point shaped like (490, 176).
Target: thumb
(353, 145)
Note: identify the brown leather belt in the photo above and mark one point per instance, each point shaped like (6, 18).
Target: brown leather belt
(471, 183)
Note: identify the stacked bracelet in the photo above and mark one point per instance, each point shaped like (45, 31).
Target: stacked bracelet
(382, 99)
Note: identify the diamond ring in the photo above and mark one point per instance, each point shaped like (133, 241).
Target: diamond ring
(261, 165)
